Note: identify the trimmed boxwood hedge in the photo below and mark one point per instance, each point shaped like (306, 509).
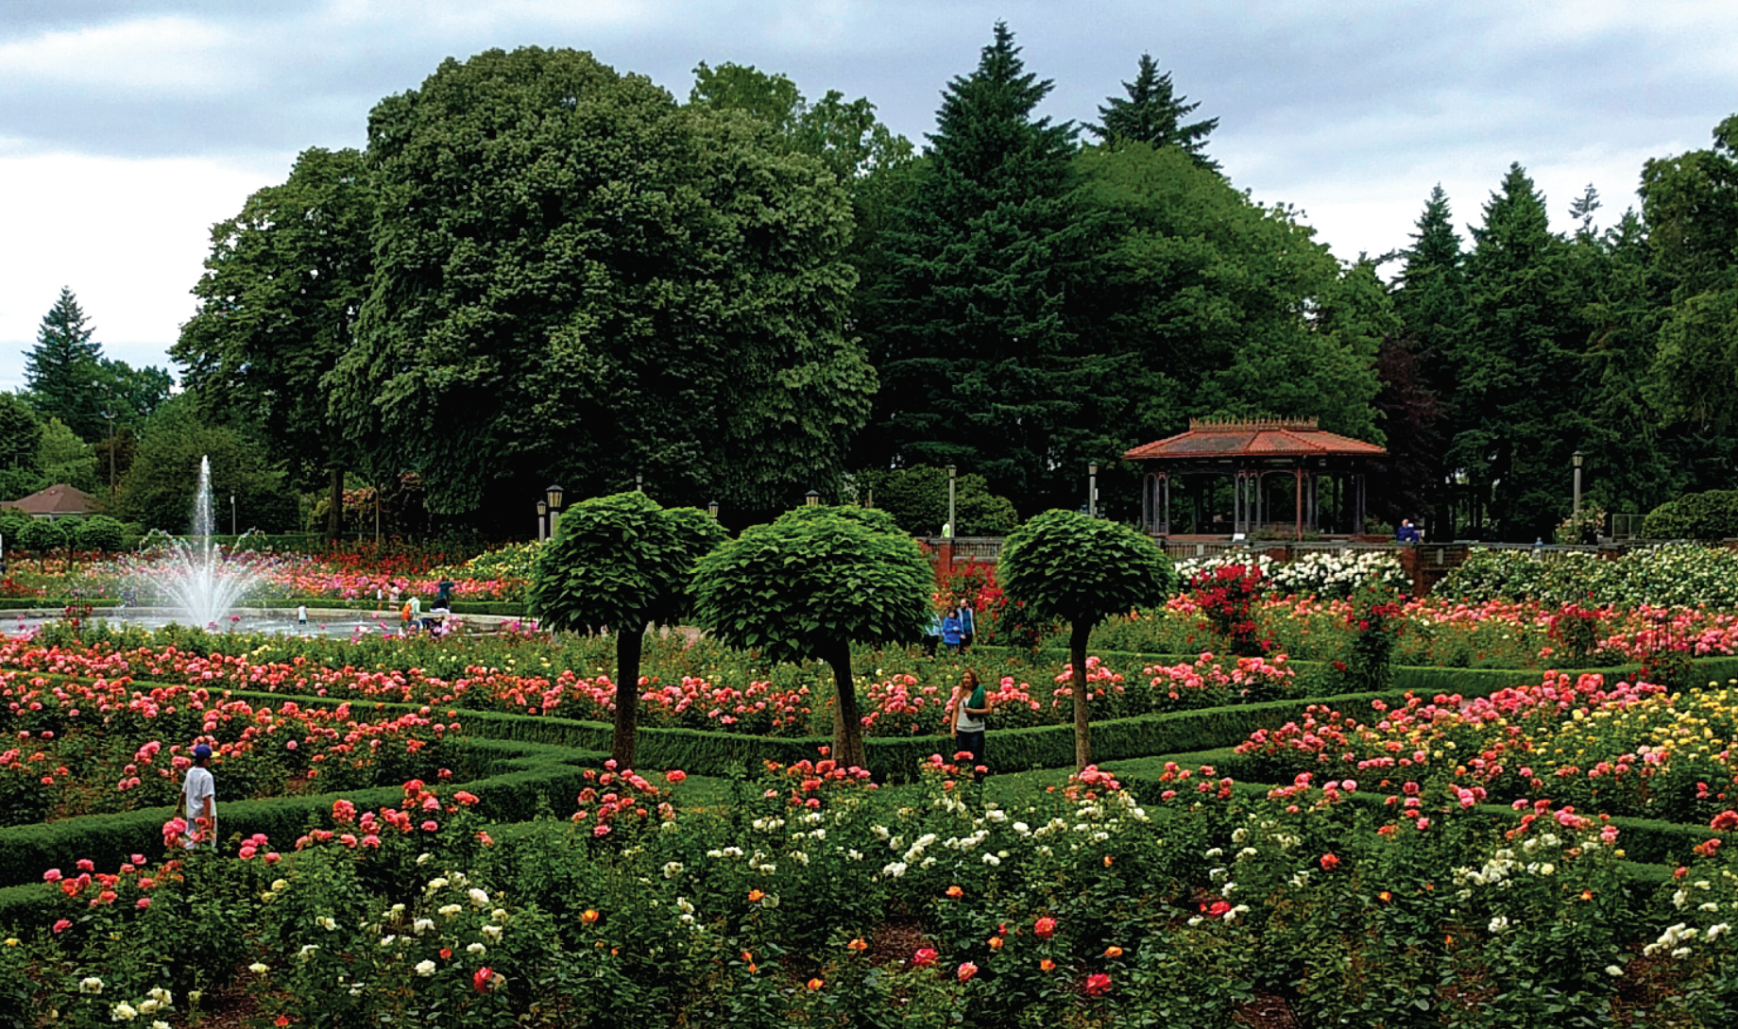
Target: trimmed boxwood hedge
(518, 778)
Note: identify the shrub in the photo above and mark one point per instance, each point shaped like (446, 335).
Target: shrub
(1712, 515)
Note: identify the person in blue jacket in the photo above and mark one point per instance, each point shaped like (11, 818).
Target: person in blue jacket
(950, 631)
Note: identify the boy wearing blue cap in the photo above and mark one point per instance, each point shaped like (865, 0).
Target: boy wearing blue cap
(199, 798)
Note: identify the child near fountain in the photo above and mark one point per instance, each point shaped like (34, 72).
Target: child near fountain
(199, 799)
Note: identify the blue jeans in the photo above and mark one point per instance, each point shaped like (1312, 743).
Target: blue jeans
(971, 741)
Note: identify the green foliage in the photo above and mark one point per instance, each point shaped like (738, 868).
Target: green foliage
(1194, 307)
(980, 364)
(1067, 566)
(576, 279)
(1712, 515)
(1518, 411)
(99, 533)
(20, 438)
(621, 561)
(1674, 575)
(278, 304)
(43, 535)
(66, 458)
(1153, 114)
(815, 578)
(61, 370)
(917, 499)
(158, 487)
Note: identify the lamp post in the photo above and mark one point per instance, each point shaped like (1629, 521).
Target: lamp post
(950, 498)
(232, 528)
(110, 415)
(543, 519)
(712, 509)
(812, 498)
(1576, 459)
(552, 496)
(1092, 490)
(639, 482)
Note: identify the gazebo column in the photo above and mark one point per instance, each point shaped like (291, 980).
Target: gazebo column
(1358, 516)
(1164, 503)
(1297, 505)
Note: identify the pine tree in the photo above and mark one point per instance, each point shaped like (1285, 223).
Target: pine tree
(61, 371)
(1419, 373)
(972, 338)
(1154, 114)
(1520, 410)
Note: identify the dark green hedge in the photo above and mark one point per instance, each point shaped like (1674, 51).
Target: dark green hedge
(518, 777)
(53, 604)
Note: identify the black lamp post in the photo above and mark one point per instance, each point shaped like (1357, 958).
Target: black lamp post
(1092, 490)
(712, 509)
(812, 498)
(552, 496)
(1576, 459)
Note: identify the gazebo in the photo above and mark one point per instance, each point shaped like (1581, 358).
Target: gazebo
(1326, 472)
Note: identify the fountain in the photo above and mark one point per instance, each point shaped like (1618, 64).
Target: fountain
(200, 581)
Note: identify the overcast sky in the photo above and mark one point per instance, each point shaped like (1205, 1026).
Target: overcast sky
(128, 127)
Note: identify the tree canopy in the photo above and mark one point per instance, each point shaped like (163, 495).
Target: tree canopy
(278, 305)
(811, 584)
(576, 279)
(980, 362)
(1067, 566)
(624, 562)
(1153, 114)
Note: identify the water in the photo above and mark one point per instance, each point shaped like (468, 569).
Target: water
(195, 577)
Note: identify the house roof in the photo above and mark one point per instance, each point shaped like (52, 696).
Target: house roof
(1270, 437)
(58, 499)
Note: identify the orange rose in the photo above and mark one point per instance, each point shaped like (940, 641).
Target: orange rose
(995, 943)
(1113, 951)
(589, 916)
(857, 944)
(754, 896)
(1047, 965)
(955, 892)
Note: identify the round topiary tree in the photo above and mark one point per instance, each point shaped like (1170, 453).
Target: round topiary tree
(1065, 565)
(623, 562)
(811, 584)
(101, 534)
(42, 536)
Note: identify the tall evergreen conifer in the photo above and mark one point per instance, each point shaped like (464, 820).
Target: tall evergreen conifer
(61, 370)
(973, 341)
(1519, 410)
(1154, 114)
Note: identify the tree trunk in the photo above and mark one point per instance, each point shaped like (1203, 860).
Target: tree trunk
(1077, 635)
(335, 516)
(628, 646)
(847, 724)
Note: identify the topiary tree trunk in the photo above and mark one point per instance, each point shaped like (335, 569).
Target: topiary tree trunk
(848, 748)
(1079, 631)
(630, 645)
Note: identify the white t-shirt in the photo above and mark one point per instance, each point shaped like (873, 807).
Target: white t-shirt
(198, 785)
(302, 613)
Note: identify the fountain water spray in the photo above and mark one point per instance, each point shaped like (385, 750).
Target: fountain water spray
(195, 575)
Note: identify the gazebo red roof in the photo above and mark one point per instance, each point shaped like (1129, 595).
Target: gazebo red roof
(1272, 437)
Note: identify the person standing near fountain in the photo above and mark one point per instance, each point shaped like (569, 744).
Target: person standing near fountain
(199, 799)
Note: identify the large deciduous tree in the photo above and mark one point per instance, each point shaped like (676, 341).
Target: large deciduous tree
(1691, 205)
(1153, 114)
(811, 584)
(278, 305)
(1068, 566)
(578, 280)
(979, 360)
(624, 562)
(1199, 305)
